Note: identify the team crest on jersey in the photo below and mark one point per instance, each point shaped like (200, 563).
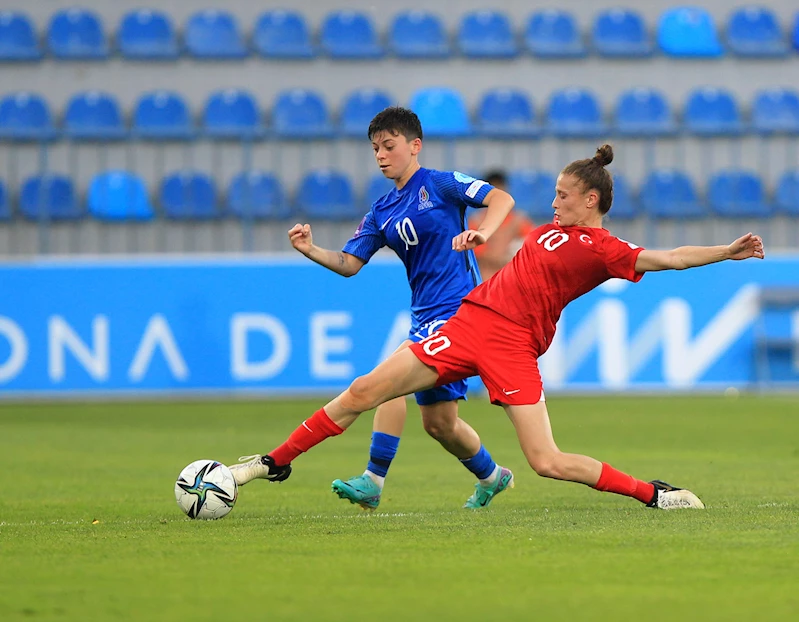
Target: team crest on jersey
(424, 199)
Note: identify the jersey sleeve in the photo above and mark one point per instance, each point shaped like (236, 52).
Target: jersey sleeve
(367, 240)
(461, 189)
(620, 257)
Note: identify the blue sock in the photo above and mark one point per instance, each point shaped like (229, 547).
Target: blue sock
(382, 452)
(482, 464)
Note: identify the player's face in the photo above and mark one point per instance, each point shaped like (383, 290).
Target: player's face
(572, 206)
(394, 153)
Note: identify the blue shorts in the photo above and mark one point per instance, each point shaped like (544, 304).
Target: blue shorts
(444, 393)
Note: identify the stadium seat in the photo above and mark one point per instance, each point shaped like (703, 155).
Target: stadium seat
(162, 115)
(644, 112)
(575, 113)
(786, 196)
(668, 193)
(442, 112)
(487, 34)
(625, 206)
(259, 195)
(712, 112)
(418, 34)
(553, 33)
(5, 209)
(77, 34)
(795, 33)
(688, 32)
(506, 113)
(282, 34)
(621, 33)
(118, 195)
(359, 109)
(213, 34)
(755, 31)
(776, 111)
(25, 116)
(49, 197)
(377, 187)
(18, 41)
(145, 34)
(93, 115)
(232, 114)
(737, 193)
(301, 114)
(534, 192)
(350, 34)
(327, 195)
(188, 195)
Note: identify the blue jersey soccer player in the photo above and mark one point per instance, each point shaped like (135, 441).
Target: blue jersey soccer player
(423, 221)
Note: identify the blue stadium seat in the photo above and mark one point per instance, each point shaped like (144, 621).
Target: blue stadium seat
(162, 115)
(49, 197)
(688, 31)
(644, 112)
(506, 113)
(188, 195)
(118, 195)
(621, 33)
(232, 114)
(738, 193)
(575, 113)
(553, 33)
(786, 196)
(359, 109)
(442, 112)
(145, 34)
(5, 209)
(625, 206)
(282, 34)
(327, 195)
(18, 39)
(755, 31)
(534, 192)
(776, 111)
(712, 112)
(301, 114)
(93, 115)
(487, 34)
(667, 193)
(377, 187)
(77, 34)
(418, 34)
(259, 195)
(25, 116)
(213, 34)
(350, 34)
(795, 33)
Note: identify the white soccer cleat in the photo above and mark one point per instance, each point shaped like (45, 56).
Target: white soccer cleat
(258, 467)
(668, 497)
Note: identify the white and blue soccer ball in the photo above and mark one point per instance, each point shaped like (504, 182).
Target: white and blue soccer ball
(206, 490)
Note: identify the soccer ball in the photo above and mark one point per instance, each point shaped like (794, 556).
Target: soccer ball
(206, 489)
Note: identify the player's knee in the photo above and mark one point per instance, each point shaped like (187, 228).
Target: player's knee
(438, 428)
(545, 465)
(362, 395)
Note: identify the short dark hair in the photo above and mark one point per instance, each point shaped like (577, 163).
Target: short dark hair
(396, 120)
(592, 174)
(496, 178)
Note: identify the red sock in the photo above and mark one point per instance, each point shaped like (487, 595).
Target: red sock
(313, 431)
(612, 480)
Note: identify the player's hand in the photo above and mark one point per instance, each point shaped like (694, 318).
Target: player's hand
(301, 238)
(747, 246)
(468, 240)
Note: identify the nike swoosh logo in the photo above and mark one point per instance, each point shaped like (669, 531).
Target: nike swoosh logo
(306, 427)
(510, 392)
(383, 226)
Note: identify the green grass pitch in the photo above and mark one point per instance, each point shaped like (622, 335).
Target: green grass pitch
(89, 529)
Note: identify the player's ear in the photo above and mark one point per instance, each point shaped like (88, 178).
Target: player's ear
(416, 146)
(592, 198)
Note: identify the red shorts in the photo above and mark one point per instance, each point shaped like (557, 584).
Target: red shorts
(478, 341)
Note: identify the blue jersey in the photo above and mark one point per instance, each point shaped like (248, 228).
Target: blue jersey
(418, 223)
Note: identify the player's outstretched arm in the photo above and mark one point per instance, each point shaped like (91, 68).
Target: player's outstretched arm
(498, 205)
(745, 247)
(338, 261)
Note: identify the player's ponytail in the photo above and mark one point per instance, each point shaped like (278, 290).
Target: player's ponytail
(592, 175)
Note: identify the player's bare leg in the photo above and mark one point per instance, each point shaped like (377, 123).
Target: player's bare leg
(538, 445)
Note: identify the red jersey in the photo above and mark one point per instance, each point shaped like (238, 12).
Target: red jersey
(555, 266)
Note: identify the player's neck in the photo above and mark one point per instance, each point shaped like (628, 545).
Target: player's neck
(406, 176)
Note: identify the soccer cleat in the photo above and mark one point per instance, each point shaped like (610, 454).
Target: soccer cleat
(667, 497)
(483, 494)
(259, 467)
(361, 490)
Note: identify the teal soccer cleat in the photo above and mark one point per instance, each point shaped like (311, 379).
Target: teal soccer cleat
(483, 494)
(361, 490)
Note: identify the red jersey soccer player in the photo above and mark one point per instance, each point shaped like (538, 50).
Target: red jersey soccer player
(505, 324)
